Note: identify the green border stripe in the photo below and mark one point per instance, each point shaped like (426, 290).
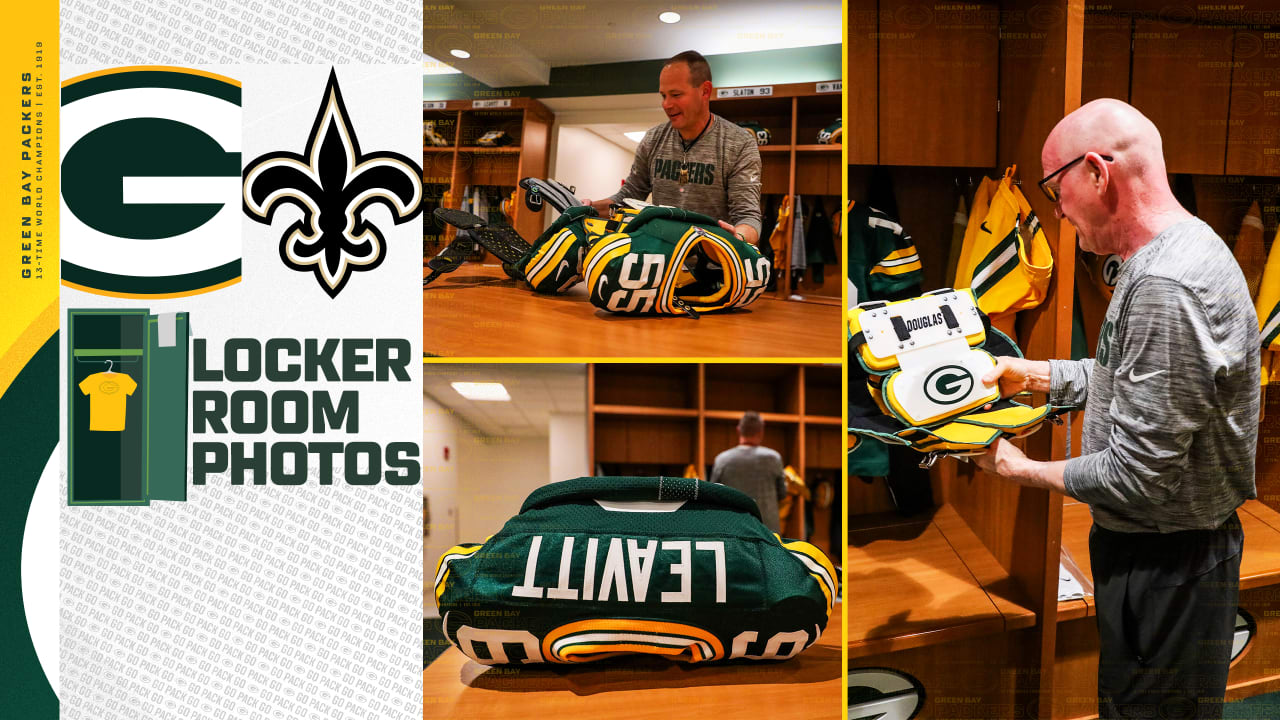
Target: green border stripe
(29, 426)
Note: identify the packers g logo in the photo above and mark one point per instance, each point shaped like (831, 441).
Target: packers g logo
(150, 177)
(1111, 271)
(948, 385)
(1104, 343)
(1245, 630)
(883, 694)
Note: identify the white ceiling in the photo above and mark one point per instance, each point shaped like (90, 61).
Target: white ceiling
(609, 116)
(517, 42)
(536, 390)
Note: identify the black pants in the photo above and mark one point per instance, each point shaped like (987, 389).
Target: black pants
(1166, 608)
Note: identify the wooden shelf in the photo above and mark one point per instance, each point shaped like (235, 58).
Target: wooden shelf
(1259, 566)
(526, 120)
(768, 417)
(794, 113)
(934, 581)
(823, 420)
(645, 411)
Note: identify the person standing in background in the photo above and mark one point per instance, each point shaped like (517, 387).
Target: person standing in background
(754, 469)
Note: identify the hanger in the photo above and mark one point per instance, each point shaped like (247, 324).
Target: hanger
(110, 365)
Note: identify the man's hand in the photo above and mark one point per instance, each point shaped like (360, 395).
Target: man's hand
(1001, 458)
(1017, 375)
(746, 233)
(1004, 458)
(601, 206)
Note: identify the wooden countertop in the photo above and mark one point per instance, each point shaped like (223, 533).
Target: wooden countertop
(809, 685)
(1259, 566)
(478, 312)
(916, 582)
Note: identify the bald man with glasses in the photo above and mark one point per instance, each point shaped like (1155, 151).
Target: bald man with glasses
(1170, 425)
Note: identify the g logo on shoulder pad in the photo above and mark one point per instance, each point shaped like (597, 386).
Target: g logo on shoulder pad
(948, 384)
(151, 180)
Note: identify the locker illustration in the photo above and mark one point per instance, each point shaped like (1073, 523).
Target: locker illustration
(127, 406)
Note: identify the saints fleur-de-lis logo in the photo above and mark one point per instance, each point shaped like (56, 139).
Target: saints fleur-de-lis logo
(333, 183)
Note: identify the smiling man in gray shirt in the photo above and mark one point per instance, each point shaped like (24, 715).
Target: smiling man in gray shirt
(696, 160)
(1170, 425)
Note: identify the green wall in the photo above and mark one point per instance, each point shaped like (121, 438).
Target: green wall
(771, 67)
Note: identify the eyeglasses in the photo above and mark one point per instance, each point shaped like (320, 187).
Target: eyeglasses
(1052, 192)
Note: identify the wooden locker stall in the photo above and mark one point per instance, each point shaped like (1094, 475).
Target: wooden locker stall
(660, 419)
(963, 597)
(462, 162)
(794, 163)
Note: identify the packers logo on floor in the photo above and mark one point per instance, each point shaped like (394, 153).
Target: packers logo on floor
(883, 694)
(333, 183)
(150, 179)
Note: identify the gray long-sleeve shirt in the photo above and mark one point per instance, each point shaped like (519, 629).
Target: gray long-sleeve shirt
(756, 471)
(1171, 414)
(721, 175)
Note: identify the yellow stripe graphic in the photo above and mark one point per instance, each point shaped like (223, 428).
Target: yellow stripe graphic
(29, 205)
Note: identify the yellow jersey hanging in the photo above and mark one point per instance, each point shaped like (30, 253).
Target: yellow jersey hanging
(1008, 263)
(1268, 308)
(1249, 251)
(963, 273)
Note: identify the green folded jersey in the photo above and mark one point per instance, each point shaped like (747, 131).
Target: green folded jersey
(603, 566)
(656, 259)
(671, 261)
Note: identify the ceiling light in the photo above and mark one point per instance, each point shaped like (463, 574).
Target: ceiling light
(635, 135)
(432, 66)
(669, 17)
(490, 392)
(463, 54)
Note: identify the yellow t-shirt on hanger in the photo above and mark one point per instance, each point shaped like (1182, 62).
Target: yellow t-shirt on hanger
(108, 393)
